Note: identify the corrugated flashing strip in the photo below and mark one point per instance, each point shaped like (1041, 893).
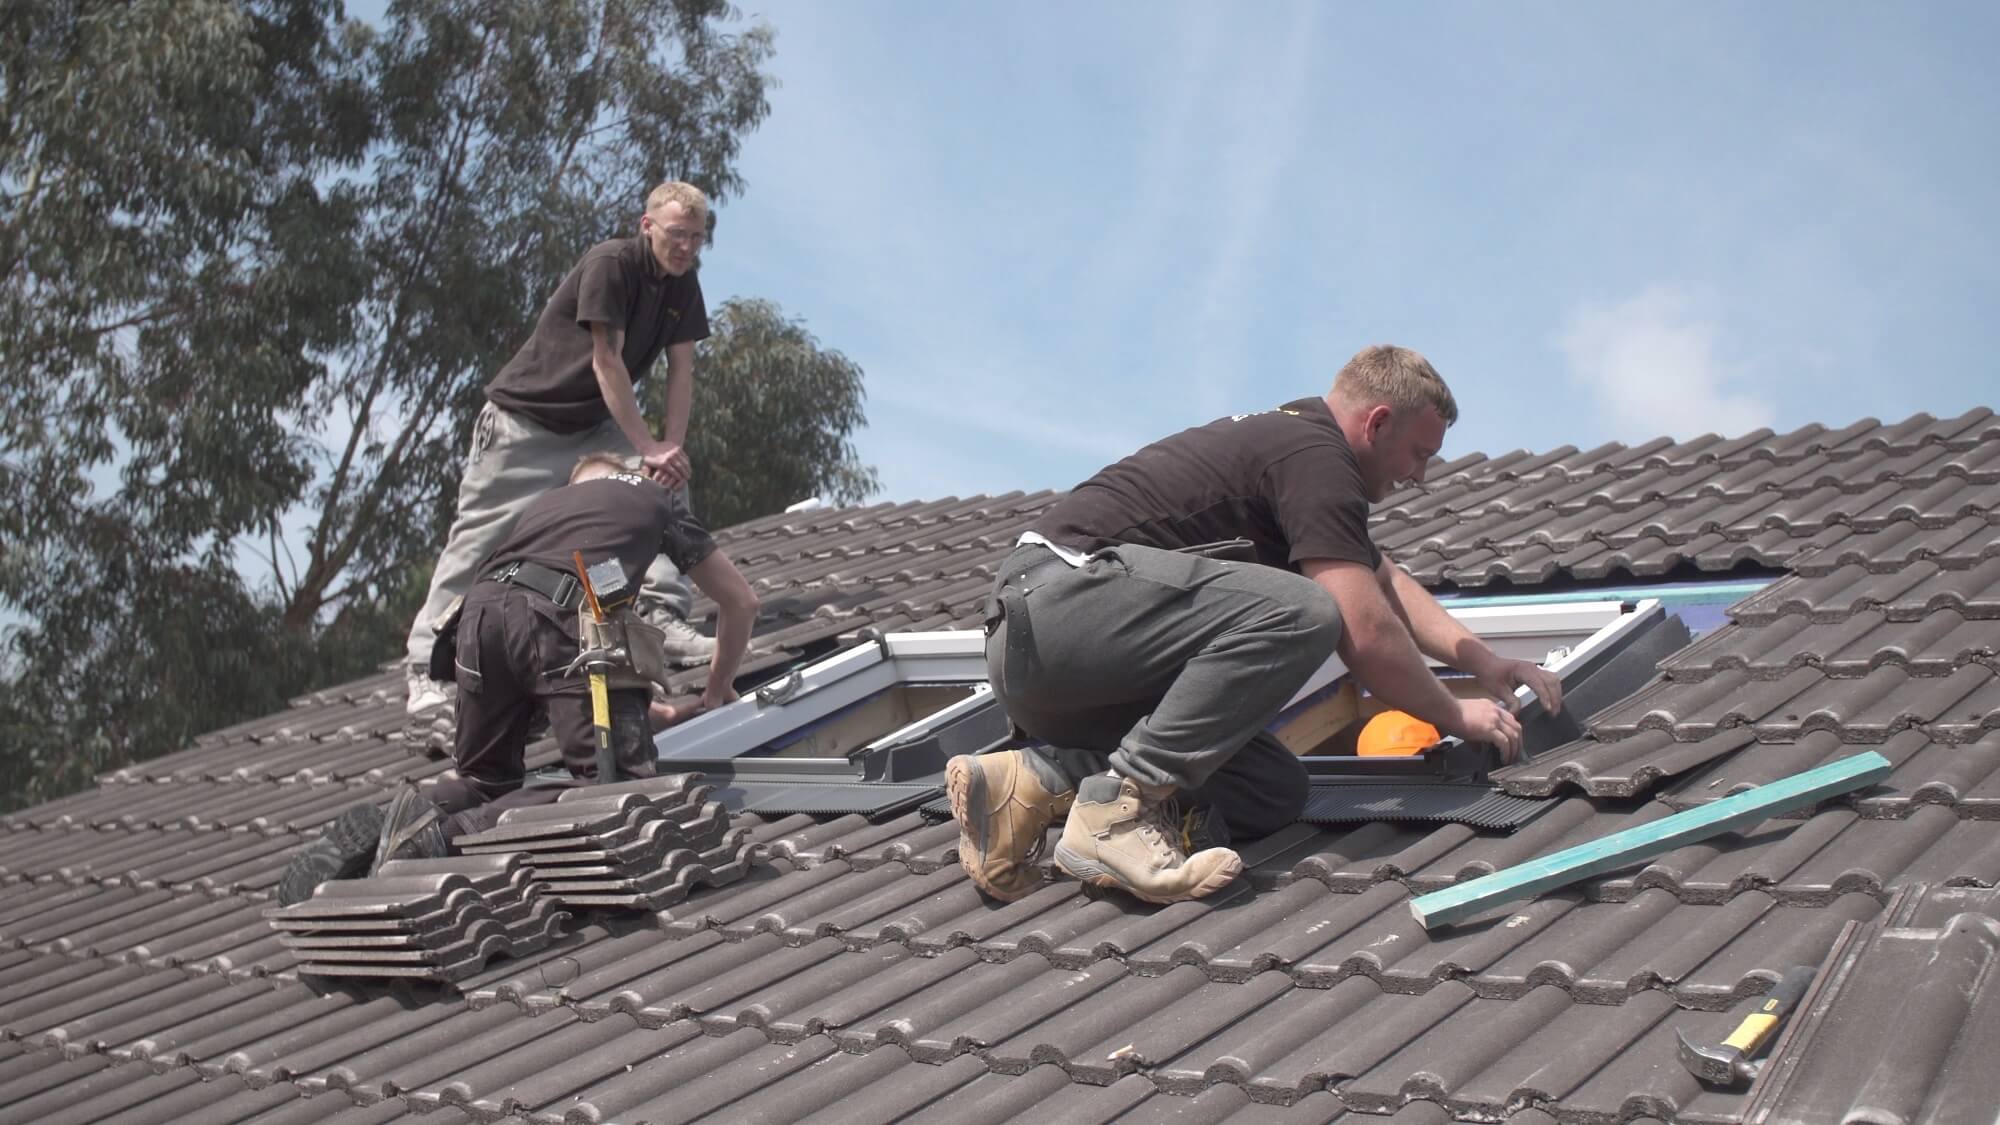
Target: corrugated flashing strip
(875, 800)
(1435, 802)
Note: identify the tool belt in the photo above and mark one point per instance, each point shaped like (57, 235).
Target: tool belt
(1037, 572)
(634, 649)
(559, 586)
(1007, 601)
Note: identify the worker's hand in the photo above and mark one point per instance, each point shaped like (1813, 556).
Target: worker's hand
(667, 463)
(663, 715)
(1489, 720)
(1502, 676)
(714, 698)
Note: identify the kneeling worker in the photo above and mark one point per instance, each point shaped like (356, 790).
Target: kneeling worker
(1123, 634)
(519, 630)
(519, 633)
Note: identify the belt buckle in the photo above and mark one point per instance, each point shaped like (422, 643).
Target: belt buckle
(566, 591)
(507, 573)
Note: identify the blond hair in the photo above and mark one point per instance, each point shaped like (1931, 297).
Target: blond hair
(609, 462)
(1398, 377)
(685, 194)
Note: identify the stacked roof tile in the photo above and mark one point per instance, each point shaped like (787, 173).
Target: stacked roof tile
(428, 919)
(855, 974)
(641, 845)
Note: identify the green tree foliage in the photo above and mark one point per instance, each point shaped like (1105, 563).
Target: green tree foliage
(259, 261)
(772, 417)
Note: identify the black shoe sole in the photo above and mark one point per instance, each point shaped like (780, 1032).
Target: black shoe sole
(344, 851)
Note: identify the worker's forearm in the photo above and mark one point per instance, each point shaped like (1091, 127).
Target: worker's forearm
(736, 602)
(1386, 659)
(732, 636)
(680, 397)
(615, 383)
(1438, 634)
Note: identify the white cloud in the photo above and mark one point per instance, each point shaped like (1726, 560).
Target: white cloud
(1653, 365)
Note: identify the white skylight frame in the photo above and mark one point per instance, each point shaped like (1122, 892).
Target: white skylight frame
(818, 690)
(1551, 635)
(1558, 635)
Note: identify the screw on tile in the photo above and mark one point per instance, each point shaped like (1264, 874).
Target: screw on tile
(559, 982)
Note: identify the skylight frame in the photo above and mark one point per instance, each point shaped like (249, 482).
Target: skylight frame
(1567, 631)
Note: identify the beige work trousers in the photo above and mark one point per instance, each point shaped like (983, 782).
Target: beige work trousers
(512, 461)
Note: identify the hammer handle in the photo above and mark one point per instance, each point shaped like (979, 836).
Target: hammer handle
(1771, 1011)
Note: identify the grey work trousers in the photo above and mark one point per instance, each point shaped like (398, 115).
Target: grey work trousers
(1165, 667)
(512, 461)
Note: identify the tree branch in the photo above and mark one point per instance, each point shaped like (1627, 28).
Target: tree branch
(331, 555)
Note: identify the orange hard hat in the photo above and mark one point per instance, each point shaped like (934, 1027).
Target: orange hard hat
(1394, 734)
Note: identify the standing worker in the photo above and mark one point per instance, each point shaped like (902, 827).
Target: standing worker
(1123, 634)
(570, 390)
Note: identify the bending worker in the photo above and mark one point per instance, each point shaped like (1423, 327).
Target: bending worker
(1123, 635)
(514, 645)
(521, 627)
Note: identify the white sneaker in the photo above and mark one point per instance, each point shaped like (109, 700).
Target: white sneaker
(425, 694)
(686, 646)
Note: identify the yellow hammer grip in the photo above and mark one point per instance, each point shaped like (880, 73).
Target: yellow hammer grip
(1751, 1032)
(600, 701)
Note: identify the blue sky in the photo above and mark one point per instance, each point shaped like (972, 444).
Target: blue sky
(1052, 232)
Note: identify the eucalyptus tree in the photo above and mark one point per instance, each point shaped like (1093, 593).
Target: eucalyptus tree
(259, 259)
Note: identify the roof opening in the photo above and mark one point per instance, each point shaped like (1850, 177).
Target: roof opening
(857, 725)
(1602, 650)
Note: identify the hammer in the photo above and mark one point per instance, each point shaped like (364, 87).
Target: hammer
(1728, 1063)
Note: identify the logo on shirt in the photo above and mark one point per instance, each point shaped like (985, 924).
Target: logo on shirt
(1261, 413)
(628, 478)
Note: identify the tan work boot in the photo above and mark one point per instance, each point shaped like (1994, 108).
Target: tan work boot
(1118, 837)
(1003, 814)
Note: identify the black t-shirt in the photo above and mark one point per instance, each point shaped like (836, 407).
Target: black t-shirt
(623, 516)
(1284, 479)
(617, 284)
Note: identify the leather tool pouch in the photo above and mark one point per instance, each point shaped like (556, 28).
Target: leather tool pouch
(1228, 550)
(444, 645)
(643, 646)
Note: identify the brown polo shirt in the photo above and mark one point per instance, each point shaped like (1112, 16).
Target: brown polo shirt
(1285, 479)
(617, 284)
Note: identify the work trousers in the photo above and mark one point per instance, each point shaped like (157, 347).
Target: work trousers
(513, 646)
(1165, 667)
(512, 461)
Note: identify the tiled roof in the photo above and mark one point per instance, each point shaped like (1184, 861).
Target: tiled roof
(855, 974)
